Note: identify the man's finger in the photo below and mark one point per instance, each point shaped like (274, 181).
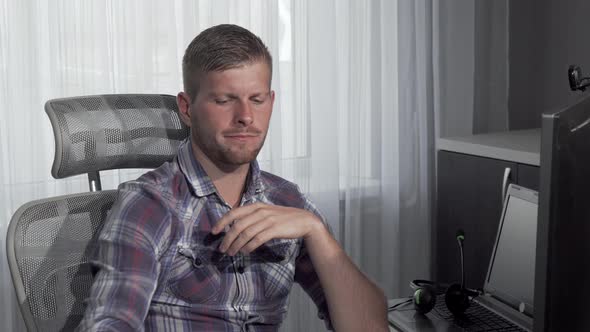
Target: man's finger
(234, 232)
(260, 239)
(249, 235)
(234, 214)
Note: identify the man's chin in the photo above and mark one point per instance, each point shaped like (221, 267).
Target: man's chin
(239, 159)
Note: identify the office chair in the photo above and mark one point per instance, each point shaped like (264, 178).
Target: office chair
(50, 241)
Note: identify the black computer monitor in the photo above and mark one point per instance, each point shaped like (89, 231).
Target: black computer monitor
(562, 275)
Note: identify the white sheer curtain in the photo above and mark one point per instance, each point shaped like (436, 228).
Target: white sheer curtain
(353, 125)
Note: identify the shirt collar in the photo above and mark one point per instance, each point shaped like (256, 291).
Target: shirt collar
(254, 183)
(202, 184)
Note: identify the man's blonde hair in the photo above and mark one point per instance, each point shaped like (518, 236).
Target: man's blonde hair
(219, 48)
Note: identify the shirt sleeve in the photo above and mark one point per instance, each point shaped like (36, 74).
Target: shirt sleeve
(127, 262)
(306, 276)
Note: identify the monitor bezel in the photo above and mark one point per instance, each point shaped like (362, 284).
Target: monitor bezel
(559, 301)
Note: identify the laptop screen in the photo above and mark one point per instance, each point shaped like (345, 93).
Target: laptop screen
(511, 272)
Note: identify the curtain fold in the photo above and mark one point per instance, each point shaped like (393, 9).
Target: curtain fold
(416, 139)
(353, 124)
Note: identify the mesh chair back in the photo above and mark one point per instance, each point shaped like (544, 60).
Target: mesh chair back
(102, 132)
(49, 242)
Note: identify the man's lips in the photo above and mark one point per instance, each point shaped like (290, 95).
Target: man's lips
(241, 137)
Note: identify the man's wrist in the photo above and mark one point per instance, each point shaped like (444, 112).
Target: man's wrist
(316, 229)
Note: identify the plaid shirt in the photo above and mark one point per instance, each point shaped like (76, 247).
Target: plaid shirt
(159, 267)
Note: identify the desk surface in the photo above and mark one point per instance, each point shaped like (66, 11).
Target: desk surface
(390, 303)
(405, 318)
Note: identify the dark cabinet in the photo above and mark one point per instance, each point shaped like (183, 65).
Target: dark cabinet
(528, 176)
(469, 197)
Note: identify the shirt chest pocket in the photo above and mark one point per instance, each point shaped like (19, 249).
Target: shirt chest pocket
(276, 261)
(193, 277)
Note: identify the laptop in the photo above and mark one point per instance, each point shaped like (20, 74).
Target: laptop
(507, 303)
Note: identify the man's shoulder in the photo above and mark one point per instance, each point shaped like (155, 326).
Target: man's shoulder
(281, 191)
(275, 182)
(164, 182)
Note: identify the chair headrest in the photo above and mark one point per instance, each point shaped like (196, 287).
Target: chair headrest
(101, 132)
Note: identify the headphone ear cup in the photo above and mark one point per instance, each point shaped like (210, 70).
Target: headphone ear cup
(424, 299)
(456, 299)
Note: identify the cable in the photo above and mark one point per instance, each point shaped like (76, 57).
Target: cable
(460, 238)
(395, 306)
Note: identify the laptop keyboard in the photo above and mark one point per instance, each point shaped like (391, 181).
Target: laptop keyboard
(476, 318)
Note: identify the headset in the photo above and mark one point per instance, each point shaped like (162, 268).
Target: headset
(457, 296)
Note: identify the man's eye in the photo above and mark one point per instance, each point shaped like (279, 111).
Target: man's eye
(221, 101)
(258, 101)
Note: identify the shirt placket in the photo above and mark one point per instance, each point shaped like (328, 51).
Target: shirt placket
(237, 262)
(240, 266)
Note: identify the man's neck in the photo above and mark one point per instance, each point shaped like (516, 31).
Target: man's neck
(229, 181)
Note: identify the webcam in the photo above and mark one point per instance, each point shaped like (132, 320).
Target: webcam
(577, 82)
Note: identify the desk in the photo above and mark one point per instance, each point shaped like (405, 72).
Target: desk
(405, 319)
(391, 316)
(413, 321)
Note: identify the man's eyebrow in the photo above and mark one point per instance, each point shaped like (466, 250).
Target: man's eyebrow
(234, 96)
(221, 94)
(261, 94)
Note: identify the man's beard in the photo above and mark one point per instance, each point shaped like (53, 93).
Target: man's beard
(226, 155)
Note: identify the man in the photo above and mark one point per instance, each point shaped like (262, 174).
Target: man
(210, 242)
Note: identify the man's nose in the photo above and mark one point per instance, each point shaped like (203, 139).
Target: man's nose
(244, 114)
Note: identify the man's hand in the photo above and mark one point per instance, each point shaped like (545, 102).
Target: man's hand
(255, 224)
(354, 302)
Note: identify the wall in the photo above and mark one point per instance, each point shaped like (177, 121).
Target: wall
(454, 66)
(501, 64)
(471, 66)
(491, 66)
(546, 36)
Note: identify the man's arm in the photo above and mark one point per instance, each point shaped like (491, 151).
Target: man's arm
(354, 302)
(128, 268)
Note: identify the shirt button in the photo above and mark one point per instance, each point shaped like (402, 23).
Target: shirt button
(240, 269)
(197, 262)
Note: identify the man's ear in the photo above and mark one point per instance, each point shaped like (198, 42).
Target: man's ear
(184, 107)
